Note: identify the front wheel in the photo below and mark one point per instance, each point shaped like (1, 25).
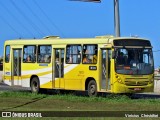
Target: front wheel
(92, 88)
(35, 86)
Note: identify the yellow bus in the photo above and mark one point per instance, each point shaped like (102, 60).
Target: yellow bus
(100, 64)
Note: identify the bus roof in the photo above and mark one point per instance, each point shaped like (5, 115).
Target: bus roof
(57, 40)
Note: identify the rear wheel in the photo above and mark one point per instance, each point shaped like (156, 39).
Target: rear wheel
(35, 86)
(92, 88)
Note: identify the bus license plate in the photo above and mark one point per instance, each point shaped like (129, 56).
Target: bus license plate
(137, 89)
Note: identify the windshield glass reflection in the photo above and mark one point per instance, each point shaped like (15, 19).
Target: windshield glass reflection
(134, 61)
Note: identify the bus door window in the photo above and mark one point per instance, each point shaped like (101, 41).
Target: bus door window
(104, 64)
(106, 57)
(16, 67)
(59, 63)
(17, 62)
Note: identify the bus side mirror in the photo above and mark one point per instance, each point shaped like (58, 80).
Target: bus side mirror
(113, 54)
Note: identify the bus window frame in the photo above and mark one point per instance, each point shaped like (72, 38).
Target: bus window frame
(34, 53)
(73, 54)
(37, 55)
(7, 54)
(90, 54)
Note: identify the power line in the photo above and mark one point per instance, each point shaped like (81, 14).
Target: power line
(34, 26)
(156, 51)
(48, 17)
(16, 19)
(10, 26)
(36, 16)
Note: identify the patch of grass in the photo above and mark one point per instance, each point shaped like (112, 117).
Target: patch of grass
(73, 98)
(27, 101)
(21, 94)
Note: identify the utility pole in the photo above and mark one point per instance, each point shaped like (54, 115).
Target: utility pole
(116, 18)
(116, 14)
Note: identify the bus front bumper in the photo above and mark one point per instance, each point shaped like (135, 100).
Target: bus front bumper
(121, 88)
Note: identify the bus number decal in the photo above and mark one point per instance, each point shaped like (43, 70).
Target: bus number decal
(92, 67)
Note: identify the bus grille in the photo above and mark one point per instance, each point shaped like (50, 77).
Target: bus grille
(136, 83)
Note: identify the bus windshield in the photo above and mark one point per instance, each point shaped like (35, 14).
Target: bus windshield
(134, 61)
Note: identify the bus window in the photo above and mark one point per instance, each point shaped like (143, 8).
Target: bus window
(7, 54)
(29, 54)
(137, 61)
(73, 54)
(89, 54)
(44, 53)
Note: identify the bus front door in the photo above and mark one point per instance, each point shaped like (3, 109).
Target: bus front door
(58, 68)
(105, 69)
(16, 67)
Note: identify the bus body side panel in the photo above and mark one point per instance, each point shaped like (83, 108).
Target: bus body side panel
(12, 69)
(42, 71)
(76, 75)
(7, 73)
(7, 66)
(73, 81)
(112, 75)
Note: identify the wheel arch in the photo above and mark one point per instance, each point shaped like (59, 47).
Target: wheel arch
(32, 78)
(87, 82)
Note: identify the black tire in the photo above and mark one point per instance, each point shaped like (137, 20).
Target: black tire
(92, 88)
(35, 86)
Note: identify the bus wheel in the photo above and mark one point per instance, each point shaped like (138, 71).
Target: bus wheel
(35, 87)
(92, 88)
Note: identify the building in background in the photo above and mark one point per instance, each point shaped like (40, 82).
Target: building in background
(157, 71)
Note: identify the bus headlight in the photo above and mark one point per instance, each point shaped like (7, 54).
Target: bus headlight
(119, 79)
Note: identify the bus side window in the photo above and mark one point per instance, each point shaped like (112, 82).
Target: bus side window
(29, 53)
(90, 54)
(28, 59)
(73, 54)
(7, 53)
(44, 53)
(94, 58)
